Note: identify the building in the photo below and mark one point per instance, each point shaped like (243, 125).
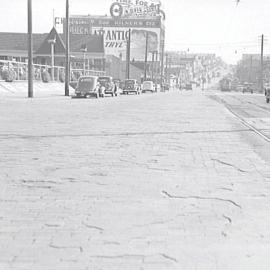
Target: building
(249, 68)
(13, 47)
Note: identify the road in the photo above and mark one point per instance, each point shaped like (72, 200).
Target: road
(166, 181)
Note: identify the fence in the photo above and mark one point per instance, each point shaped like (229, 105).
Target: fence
(57, 73)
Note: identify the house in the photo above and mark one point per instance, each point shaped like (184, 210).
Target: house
(84, 49)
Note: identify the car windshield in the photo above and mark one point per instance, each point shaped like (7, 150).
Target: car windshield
(147, 84)
(88, 83)
(104, 80)
(129, 83)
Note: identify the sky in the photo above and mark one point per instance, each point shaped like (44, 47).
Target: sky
(195, 26)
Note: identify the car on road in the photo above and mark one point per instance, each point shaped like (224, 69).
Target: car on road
(148, 86)
(248, 87)
(107, 86)
(166, 86)
(188, 86)
(87, 86)
(131, 86)
(267, 92)
(225, 84)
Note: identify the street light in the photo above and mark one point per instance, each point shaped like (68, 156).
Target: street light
(52, 43)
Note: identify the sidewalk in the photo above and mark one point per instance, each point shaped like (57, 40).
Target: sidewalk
(152, 182)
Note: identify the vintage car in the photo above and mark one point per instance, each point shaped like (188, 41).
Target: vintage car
(225, 84)
(87, 86)
(131, 86)
(148, 86)
(107, 86)
(247, 87)
(267, 92)
(188, 86)
(166, 86)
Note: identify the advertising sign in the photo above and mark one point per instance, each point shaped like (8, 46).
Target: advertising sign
(116, 31)
(135, 8)
(115, 41)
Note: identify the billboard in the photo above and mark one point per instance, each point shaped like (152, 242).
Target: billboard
(116, 33)
(135, 8)
(115, 41)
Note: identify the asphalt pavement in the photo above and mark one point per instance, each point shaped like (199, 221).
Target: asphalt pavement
(159, 181)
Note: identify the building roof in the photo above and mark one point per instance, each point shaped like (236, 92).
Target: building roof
(18, 41)
(41, 46)
(45, 46)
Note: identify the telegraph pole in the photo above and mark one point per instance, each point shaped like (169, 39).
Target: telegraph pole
(67, 68)
(166, 68)
(30, 51)
(128, 55)
(250, 68)
(262, 65)
(146, 55)
(153, 60)
(156, 68)
(161, 65)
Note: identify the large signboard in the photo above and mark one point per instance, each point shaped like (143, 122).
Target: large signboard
(116, 33)
(115, 41)
(135, 8)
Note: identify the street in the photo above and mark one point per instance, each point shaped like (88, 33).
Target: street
(158, 181)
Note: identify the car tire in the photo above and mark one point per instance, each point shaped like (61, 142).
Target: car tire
(267, 100)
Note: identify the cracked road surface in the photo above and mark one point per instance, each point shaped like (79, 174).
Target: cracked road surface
(150, 182)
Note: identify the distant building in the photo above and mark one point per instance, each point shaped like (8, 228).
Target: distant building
(13, 46)
(249, 68)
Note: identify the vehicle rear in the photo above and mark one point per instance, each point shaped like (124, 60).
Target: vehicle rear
(148, 86)
(87, 86)
(106, 86)
(131, 86)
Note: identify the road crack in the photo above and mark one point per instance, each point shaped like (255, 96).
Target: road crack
(228, 164)
(201, 198)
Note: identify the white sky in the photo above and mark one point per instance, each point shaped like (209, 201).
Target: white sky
(198, 25)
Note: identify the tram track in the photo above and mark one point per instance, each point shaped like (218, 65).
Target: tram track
(245, 123)
(252, 103)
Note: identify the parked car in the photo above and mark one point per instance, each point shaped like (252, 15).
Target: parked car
(225, 84)
(107, 86)
(267, 92)
(188, 86)
(131, 86)
(87, 86)
(248, 87)
(166, 87)
(148, 86)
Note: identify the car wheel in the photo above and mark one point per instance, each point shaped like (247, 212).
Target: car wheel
(267, 100)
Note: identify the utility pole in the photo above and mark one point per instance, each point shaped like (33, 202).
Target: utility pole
(262, 64)
(153, 60)
(146, 55)
(166, 67)
(161, 65)
(128, 55)
(67, 68)
(156, 68)
(250, 68)
(30, 50)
